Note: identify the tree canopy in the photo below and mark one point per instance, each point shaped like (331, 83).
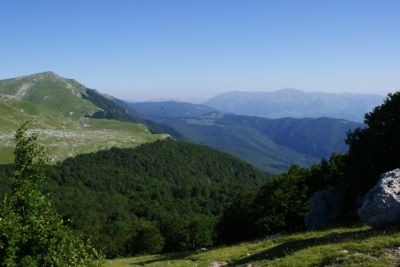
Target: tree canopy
(375, 149)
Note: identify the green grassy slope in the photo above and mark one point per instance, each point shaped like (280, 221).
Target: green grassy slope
(51, 91)
(345, 246)
(57, 110)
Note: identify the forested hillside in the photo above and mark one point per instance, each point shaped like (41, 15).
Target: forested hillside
(171, 192)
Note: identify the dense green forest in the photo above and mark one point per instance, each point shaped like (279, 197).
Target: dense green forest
(168, 194)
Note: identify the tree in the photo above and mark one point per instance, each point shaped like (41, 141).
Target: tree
(201, 231)
(147, 239)
(376, 148)
(282, 202)
(31, 231)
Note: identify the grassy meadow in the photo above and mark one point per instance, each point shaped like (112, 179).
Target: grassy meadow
(343, 246)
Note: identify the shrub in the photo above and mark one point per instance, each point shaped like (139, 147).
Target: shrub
(31, 231)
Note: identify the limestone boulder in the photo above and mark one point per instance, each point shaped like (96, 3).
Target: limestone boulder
(381, 206)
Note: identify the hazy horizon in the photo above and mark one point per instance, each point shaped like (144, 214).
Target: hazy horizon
(143, 50)
(199, 100)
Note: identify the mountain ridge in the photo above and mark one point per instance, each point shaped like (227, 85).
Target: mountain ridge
(62, 111)
(270, 144)
(296, 103)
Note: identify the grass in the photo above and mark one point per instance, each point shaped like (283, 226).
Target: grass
(50, 91)
(344, 246)
(56, 111)
(65, 137)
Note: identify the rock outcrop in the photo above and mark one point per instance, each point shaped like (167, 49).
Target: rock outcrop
(381, 206)
(325, 206)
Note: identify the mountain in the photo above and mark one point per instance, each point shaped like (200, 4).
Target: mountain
(172, 109)
(107, 194)
(318, 137)
(270, 144)
(297, 104)
(70, 118)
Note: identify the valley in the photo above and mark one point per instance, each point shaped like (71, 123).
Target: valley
(270, 144)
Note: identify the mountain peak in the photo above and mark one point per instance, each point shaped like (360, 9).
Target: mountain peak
(289, 91)
(51, 91)
(44, 75)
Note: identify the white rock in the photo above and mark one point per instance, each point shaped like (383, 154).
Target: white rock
(381, 206)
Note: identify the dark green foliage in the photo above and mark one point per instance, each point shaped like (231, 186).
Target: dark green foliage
(282, 202)
(177, 186)
(188, 232)
(146, 239)
(328, 173)
(31, 231)
(237, 222)
(375, 149)
(279, 205)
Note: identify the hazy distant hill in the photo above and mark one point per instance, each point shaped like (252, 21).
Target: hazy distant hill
(316, 137)
(172, 109)
(63, 111)
(270, 144)
(296, 104)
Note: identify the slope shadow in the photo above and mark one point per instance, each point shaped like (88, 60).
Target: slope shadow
(290, 247)
(163, 257)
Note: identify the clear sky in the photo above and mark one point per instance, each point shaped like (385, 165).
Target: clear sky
(145, 49)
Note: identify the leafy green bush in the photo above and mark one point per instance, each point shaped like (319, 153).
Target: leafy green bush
(146, 239)
(279, 205)
(188, 232)
(31, 231)
(282, 202)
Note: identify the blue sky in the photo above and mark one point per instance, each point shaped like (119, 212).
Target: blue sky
(148, 49)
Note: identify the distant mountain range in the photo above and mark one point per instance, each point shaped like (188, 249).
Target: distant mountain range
(296, 104)
(270, 144)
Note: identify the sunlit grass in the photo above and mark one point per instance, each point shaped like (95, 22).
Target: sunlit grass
(67, 137)
(344, 246)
